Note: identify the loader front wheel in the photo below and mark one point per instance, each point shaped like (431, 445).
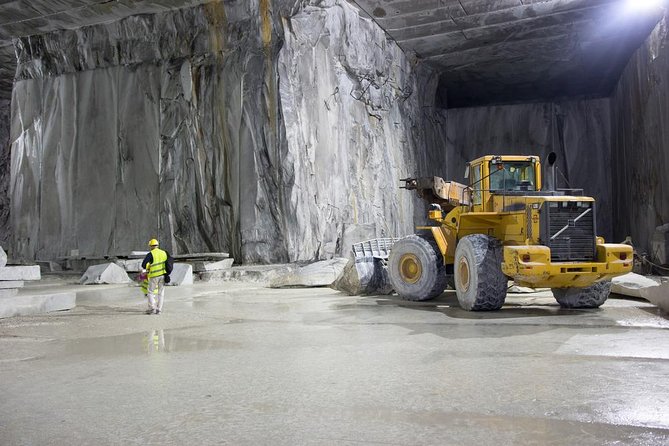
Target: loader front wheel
(416, 268)
(479, 282)
(590, 297)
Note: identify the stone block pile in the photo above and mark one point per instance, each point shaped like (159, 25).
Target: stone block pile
(14, 303)
(12, 278)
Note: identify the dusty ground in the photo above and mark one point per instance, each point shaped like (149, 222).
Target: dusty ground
(240, 364)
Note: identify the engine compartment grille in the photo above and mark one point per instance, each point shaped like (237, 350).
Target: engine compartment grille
(568, 229)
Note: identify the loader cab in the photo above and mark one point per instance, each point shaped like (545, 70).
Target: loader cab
(502, 175)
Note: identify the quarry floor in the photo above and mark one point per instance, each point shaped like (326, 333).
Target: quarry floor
(240, 364)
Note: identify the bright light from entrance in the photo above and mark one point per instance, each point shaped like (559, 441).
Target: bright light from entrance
(644, 5)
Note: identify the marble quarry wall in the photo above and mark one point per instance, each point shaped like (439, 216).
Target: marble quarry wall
(277, 130)
(274, 132)
(640, 141)
(353, 107)
(5, 171)
(579, 132)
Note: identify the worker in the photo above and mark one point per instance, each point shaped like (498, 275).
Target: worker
(158, 265)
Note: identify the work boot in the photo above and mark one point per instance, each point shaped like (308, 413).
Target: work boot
(157, 311)
(149, 311)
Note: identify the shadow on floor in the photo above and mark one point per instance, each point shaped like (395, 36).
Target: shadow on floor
(447, 304)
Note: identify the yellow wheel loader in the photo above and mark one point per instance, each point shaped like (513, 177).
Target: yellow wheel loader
(501, 227)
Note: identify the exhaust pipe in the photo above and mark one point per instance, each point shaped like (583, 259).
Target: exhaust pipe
(552, 158)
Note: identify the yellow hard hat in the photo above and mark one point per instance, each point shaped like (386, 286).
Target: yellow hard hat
(153, 242)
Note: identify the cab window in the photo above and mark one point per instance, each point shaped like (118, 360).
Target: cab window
(512, 176)
(476, 184)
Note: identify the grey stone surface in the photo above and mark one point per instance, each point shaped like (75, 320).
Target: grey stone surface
(24, 305)
(513, 50)
(130, 265)
(640, 142)
(267, 150)
(8, 292)
(11, 284)
(182, 274)
(363, 277)
(258, 274)
(636, 285)
(5, 169)
(659, 245)
(105, 273)
(520, 289)
(3, 257)
(201, 266)
(20, 273)
(318, 274)
(315, 367)
(47, 266)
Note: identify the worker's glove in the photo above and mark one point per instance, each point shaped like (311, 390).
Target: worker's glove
(167, 278)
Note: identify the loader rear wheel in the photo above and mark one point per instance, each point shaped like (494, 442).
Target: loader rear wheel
(590, 297)
(416, 268)
(479, 282)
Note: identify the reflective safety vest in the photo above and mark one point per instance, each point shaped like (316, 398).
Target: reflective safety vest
(157, 267)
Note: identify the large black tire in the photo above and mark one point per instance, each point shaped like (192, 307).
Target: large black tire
(416, 268)
(591, 297)
(479, 281)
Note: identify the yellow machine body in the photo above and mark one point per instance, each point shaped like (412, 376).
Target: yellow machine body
(514, 217)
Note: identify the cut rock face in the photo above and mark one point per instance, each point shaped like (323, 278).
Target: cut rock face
(3, 257)
(105, 273)
(319, 274)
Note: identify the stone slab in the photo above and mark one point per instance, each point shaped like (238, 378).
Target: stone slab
(11, 284)
(202, 256)
(8, 292)
(517, 289)
(105, 273)
(20, 273)
(260, 274)
(202, 266)
(3, 258)
(24, 305)
(182, 274)
(318, 274)
(636, 285)
(130, 265)
(137, 254)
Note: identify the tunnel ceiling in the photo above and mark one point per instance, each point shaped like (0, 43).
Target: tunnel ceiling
(505, 51)
(487, 51)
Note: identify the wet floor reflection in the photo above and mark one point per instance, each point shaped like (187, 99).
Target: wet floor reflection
(154, 342)
(150, 342)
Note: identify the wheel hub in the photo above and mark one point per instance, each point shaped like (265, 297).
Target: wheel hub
(410, 268)
(463, 273)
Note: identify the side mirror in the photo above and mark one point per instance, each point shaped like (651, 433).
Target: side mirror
(467, 171)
